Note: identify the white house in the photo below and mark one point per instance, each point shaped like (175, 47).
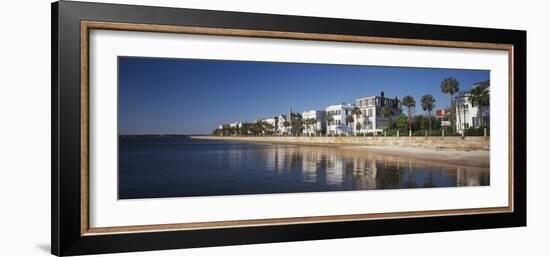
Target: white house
(273, 121)
(283, 125)
(371, 119)
(338, 125)
(468, 114)
(318, 127)
(237, 124)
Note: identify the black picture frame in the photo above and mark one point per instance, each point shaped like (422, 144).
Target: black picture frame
(66, 234)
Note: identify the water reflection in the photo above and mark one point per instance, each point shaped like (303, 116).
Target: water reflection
(362, 170)
(168, 168)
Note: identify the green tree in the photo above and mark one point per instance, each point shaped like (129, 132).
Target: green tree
(232, 130)
(356, 112)
(450, 86)
(305, 123)
(243, 130)
(480, 97)
(267, 127)
(387, 113)
(313, 123)
(409, 102)
(286, 124)
(401, 122)
(297, 122)
(225, 131)
(256, 128)
(419, 122)
(428, 104)
(436, 123)
(310, 124)
(349, 119)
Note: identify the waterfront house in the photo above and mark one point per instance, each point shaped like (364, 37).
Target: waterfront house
(235, 128)
(371, 119)
(338, 124)
(287, 126)
(443, 116)
(239, 124)
(316, 128)
(469, 114)
(274, 122)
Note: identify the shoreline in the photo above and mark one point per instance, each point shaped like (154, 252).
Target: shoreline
(453, 143)
(475, 158)
(459, 156)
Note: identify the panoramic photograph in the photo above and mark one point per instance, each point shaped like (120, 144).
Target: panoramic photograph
(196, 127)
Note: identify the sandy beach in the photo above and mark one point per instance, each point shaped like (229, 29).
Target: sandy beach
(432, 151)
(475, 158)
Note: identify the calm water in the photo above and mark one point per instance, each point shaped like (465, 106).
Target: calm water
(176, 167)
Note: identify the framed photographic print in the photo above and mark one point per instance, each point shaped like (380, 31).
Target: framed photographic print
(177, 128)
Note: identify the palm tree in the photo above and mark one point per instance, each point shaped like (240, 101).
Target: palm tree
(409, 102)
(328, 118)
(479, 96)
(286, 124)
(387, 113)
(226, 130)
(450, 86)
(244, 130)
(268, 127)
(462, 107)
(297, 122)
(306, 125)
(256, 128)
(349, 119)
(312, 123)
(309, 123)
(428, 104)
(356, 111)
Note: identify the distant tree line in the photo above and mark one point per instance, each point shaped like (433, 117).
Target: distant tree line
(257, 128)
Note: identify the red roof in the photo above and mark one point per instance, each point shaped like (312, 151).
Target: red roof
(441, 113)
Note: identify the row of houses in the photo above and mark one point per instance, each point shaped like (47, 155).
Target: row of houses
(333, 120)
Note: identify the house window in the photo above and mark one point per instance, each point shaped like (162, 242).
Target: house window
(370, 113)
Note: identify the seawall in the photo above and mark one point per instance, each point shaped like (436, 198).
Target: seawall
(467, 143)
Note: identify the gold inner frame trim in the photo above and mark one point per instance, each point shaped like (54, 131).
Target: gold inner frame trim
(86, 26)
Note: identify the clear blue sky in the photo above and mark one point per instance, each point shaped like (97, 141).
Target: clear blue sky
(187, 96)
